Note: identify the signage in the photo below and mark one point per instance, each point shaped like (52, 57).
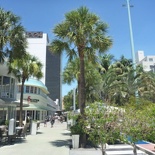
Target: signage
(34, 34)
(31, 100)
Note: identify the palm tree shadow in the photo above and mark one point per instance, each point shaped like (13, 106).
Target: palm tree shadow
(66, 134)
(60, 143)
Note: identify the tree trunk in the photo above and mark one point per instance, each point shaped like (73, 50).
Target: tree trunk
(134, 149)
(82, 86)
(103, 147)
(82, 92)
(21, 103)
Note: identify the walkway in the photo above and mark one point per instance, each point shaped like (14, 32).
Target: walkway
(48, 141)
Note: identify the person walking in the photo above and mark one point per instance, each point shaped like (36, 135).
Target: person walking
(52, 120)
(45, 122)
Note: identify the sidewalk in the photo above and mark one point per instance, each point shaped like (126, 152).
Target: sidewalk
(48, 141)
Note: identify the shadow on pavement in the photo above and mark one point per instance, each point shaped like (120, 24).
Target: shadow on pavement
(66, 134)
(39, 132)
(60, 143)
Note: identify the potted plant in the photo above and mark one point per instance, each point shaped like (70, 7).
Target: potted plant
(76, 132)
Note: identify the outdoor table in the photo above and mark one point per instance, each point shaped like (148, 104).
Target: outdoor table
(19, 130)
(19, 127)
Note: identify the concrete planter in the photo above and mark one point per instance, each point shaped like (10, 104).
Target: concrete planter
(33, 128)
(75, 141)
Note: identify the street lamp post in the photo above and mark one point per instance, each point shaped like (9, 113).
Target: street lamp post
(132, 43)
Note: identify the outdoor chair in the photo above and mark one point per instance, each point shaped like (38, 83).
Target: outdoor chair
(3, 136)
(22, 133)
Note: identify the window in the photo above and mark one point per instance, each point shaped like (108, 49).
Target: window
(35, 90)
(150, 59)
(19, 88)
(38, 90)
(152, 68)
(31, 89)
(27, 89)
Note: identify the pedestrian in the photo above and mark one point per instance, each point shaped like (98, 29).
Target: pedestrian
(52, 120)
(45, 122)
(61, 118)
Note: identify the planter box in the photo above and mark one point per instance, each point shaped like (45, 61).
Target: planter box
(75, 141)
(33, 128)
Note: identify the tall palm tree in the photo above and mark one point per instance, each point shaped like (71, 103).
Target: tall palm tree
(23, 69)
(12, 36)
(81, 35)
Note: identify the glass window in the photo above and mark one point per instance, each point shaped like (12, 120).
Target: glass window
(38, 90)
(27, 89)
(31, 89)
(152, 68)
(12, 88)
(19, 88)
(5, 89)
(150, 59)
(35, 90)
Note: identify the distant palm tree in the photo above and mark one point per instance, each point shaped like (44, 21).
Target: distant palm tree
(23, 69)
(12, 36)
(105, 61)
(71, 74)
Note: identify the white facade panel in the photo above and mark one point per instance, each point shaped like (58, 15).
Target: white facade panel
(147, 62)
(139, 56)
(37, 47)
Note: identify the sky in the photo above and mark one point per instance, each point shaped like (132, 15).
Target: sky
(44, 15)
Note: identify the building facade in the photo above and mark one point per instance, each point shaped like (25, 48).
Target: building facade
(38, 46)
(147, 62)
(36, 103)
(53, 76)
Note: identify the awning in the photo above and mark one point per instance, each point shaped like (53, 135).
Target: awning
(34, 107)
(17, 103)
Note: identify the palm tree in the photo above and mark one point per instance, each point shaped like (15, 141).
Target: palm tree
(146, 86)
(71, 74)
(12, 36)
(81, 35)
(105, 62)
(23, 69)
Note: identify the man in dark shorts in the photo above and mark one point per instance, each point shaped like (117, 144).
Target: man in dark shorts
(52, 120)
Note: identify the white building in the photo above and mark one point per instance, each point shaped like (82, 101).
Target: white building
(36, 102)
(37, 43)
(38, 47)
(147, 62)
(39, 100)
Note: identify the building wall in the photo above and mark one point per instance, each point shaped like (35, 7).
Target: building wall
(147, 62)
(139, 56)
(53, 75)
(37, 47)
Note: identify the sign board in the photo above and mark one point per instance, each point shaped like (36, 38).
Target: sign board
(34, 34)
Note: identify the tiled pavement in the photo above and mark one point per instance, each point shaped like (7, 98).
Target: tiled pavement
(48, 141)
(56, 141)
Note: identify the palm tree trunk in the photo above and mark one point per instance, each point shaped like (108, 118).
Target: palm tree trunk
(82, 86)
(21, 103)
(82, 93)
